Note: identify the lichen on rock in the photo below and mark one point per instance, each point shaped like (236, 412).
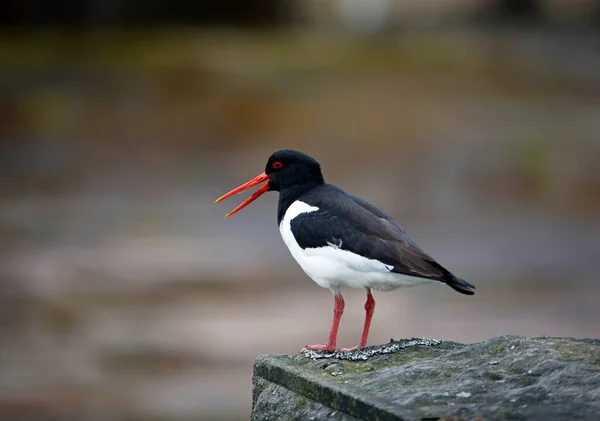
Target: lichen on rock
(363, 354)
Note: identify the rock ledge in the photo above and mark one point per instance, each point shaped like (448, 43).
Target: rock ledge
(504, 378)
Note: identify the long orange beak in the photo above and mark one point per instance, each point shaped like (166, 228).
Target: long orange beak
(256, 180)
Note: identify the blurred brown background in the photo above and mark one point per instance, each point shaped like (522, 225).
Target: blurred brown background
(124, 295)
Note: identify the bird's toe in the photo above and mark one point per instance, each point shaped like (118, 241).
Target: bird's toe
(326, 348)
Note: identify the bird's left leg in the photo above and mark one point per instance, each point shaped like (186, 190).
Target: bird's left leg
(369, 310)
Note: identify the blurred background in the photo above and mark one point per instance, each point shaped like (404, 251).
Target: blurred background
(125, 295)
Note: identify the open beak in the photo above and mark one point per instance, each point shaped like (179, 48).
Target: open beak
(256, 180)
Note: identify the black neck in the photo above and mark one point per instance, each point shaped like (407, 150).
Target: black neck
(289, 195)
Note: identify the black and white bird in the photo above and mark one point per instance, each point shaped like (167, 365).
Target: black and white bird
(340, 240)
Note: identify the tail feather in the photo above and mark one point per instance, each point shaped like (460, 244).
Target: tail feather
(461, 286)
(452, 281)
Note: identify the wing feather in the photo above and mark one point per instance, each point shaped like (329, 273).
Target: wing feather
(352, 224)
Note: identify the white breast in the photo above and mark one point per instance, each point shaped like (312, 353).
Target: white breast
(331, 267)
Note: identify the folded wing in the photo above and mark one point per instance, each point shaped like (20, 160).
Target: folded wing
(361, 228)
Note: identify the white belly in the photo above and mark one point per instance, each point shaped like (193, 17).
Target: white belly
(333, 268)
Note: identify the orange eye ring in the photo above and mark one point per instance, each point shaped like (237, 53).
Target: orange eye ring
(277, 165)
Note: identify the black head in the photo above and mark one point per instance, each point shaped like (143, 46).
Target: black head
(289, 172)
(292, 169)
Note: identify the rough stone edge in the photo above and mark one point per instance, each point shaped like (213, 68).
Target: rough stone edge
(345, 401)
(313, 407)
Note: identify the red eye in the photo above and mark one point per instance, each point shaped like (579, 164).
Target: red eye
(277, 165)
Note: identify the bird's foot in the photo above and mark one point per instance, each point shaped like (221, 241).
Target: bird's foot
(326, 348)
(352, 349)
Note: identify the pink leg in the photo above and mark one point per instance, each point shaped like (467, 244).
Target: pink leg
(338, 310)
(369, 310)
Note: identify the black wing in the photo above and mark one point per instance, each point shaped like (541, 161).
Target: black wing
(357, 226)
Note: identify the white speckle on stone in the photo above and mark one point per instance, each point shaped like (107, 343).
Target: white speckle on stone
(512, 347)
(363, 354)
(529, 371)
(336, 373)
(513, 400)
(463, 395)
(493, 362)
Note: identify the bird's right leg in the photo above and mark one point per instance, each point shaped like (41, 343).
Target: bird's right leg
(338, 310)
(369, 310)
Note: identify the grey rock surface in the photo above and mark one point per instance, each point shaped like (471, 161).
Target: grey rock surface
(504, 378)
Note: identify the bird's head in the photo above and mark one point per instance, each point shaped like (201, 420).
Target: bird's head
(285, 170)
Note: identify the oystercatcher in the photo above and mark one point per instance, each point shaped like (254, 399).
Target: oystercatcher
(340, 240)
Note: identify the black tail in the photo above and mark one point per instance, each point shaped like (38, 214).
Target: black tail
(461, 285)
(452, 281)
